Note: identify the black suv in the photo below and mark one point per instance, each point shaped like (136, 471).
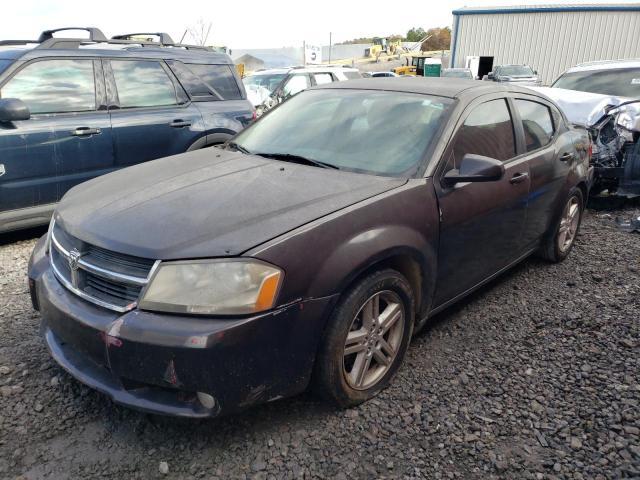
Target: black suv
(72, 109)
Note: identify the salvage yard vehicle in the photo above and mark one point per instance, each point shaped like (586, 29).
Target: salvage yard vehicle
(519, 74)
(605, 97)
(75, 108)
(457, 73)
(268, 88)
(310, 249)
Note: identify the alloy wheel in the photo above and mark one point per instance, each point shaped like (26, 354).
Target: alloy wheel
(569, 224)
(373, 340)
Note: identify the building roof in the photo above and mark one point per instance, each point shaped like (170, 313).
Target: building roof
(595, 7)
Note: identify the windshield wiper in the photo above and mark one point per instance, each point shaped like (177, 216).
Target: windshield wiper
(239, 148)
(289, 157)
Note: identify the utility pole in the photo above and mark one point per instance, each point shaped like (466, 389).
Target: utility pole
(329, 47)
(304, 53)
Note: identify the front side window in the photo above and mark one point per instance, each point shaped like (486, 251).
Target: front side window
(322, 78)
(267, 81)
(536, 122)
(54, 86)
(487, 131)
(296, 84)
(621, 82)
(143, 83)
(384, 133)
(220, 78)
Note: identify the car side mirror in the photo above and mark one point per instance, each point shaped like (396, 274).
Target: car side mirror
(13, 110)
(535, 72)
(475, 168)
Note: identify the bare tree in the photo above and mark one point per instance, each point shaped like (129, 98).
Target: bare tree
(200, 32)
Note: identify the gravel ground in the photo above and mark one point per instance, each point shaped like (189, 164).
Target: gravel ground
(535, 376)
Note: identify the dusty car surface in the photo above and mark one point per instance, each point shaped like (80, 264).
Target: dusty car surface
(605, 98)
(311, 249)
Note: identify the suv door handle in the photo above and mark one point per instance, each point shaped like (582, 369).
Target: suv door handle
(565, 157)
(180, 123)
(518, 178)
(85, 132)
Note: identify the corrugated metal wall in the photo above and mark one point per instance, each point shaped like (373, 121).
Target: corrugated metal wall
(550, 42)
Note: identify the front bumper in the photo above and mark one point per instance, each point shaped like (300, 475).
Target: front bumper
(158, 362)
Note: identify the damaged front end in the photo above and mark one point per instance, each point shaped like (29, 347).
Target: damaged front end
(614, 127)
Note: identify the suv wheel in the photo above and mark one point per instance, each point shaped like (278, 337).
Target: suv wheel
(366, 339)
(557, 247)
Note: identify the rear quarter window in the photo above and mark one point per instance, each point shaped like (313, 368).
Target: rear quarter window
(352, 75)
(219, 77)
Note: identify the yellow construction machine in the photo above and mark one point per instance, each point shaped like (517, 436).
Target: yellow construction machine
(383, 45)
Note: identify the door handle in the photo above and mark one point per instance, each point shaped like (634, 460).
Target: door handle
(85, 131)
(565, 157)
(180, 123)
(518, 178)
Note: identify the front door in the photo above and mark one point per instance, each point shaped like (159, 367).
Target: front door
(151, 116)
(481, 223)
(67, 139)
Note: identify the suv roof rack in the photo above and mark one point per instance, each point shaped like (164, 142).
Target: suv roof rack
(46, 40)
(163, 38)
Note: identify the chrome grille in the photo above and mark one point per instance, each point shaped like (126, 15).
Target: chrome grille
(109, 279)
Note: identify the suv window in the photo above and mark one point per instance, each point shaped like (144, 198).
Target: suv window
(621, 82)
(142, 83)
(296, 84)
(322, 78)
(4, 64)
(54, 86)
(537, 123)
(219, 77)
(487, 131)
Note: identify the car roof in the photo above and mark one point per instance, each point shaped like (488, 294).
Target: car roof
(449, 87)
(107, 50)
(605, 65)
(314, 69)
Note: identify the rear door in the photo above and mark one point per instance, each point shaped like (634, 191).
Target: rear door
(151, 115)
(481, 224)
(549, 149)
(67, 139)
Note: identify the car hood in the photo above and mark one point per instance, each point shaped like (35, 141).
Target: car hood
(207, 203)
(587, 109)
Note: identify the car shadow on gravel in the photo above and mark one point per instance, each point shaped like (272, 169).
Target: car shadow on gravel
(21, 235)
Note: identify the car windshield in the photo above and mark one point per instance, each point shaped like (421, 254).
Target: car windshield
(621, 82)
(384, 133)
(268, 81)
(515, 70)
(456, 73)
(4, 64)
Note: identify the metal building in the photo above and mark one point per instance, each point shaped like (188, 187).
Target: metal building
(549, 38)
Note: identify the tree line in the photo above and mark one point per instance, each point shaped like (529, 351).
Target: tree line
(438, 38)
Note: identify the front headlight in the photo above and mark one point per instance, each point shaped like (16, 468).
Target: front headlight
(213, 287)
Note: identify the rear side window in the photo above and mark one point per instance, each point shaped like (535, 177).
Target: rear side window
(487, 131)
(352, 75)
(54, 86)
(322, 78)
(142, 83)
(220, 77)
(537, 123)
(296, 84)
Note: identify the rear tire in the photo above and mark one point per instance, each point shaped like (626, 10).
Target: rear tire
(366, 339)
(558, 245)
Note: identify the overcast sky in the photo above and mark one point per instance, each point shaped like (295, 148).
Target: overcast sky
(240, 23)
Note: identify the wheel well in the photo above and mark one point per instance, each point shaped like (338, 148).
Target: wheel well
(407, 266)
(585, 191)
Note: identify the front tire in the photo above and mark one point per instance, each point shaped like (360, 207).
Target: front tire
(366, 339)
(558, 246)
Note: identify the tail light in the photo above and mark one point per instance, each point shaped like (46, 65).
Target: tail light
(590, 150)
(254, 115)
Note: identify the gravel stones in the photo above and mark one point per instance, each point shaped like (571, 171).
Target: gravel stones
(536, 376)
